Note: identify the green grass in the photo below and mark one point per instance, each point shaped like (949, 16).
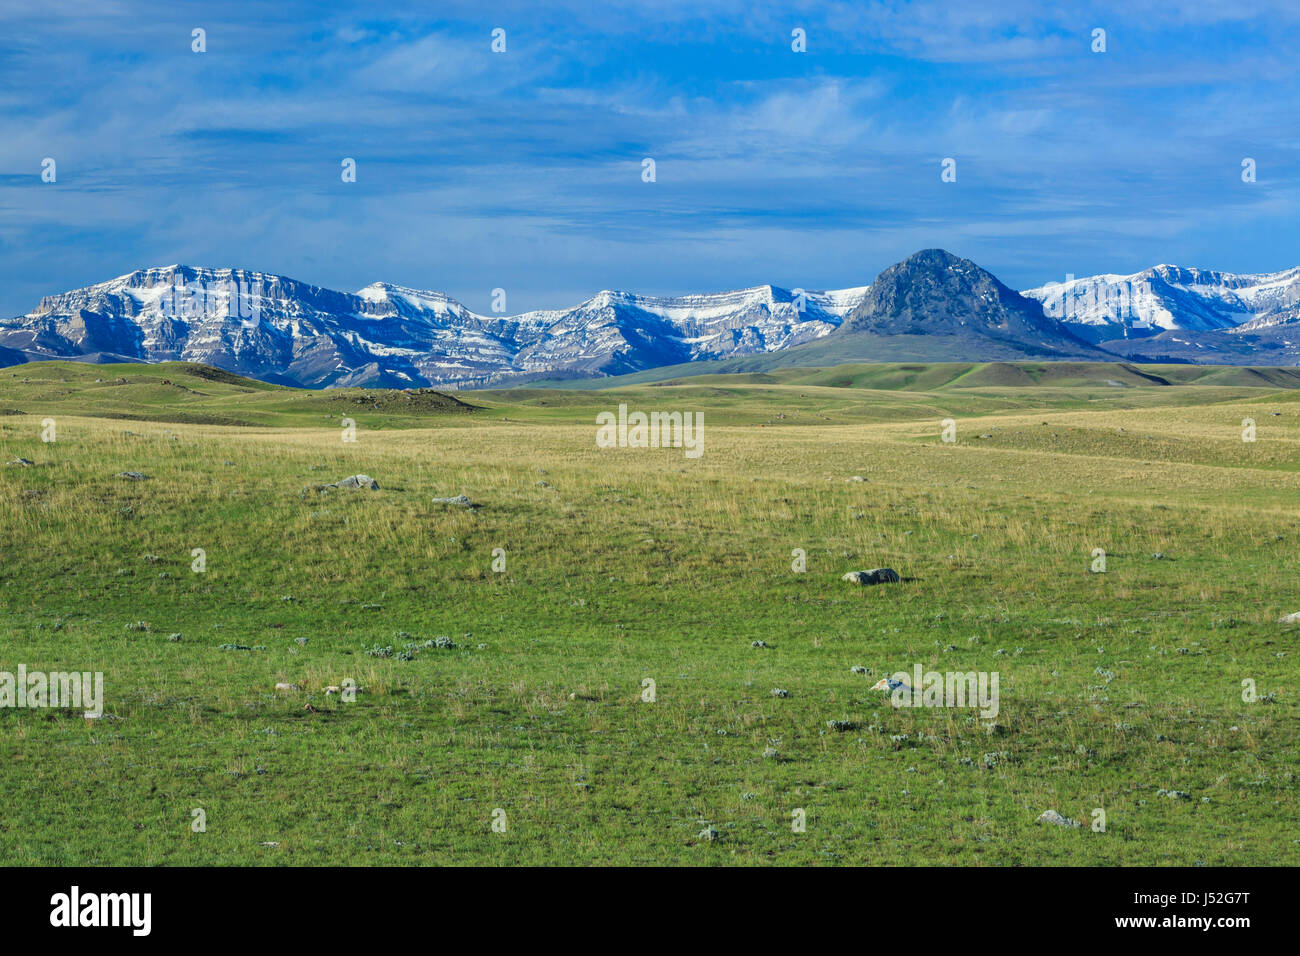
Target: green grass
(633, 564)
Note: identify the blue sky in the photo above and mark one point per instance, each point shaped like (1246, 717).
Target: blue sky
(522, 170)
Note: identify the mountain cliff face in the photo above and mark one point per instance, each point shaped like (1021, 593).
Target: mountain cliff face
(932, 306)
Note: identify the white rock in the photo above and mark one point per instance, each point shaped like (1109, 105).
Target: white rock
(1051, 816)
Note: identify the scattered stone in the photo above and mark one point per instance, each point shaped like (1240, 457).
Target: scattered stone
(300, 641)
(284, 685)
(132, 475)
(778, 692)
(841, 726)
(174, 638)
(874, 576)
(1051, 816)
(709, 834)
(356, 481)
(762, 644)
(859, 669)
(1159, 556)
(1290, 619)
(771, 753)
(138, 626)
(857, 478)
(21, 462)
(1173, 794)
(459, 500)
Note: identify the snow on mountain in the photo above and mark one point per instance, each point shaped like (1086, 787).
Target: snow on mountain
(277, 329)
(1112, 307)
(932, 304)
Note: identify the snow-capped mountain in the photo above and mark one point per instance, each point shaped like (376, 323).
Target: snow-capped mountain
(932, 306)
(280, 330)
(1111, 307)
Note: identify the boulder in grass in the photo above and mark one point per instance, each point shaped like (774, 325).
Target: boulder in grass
(285, 685)
(459, 500)
(132, 475)
(874, 576)
(1051, 816)
(357, 481)
(21, 462)
(1290, 619)
(889, 685)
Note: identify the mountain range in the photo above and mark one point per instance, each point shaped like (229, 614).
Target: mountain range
(932, 306)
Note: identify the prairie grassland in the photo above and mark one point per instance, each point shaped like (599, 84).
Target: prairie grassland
(623, 565)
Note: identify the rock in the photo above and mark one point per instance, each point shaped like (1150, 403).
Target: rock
(841, 726)
(859, 669)
(778, 692)
(874, 576)
(889, 684)
(1290, 619)
(760, 644)
(459, 500)
(1173, 794)
(357, 481)
(771, 753)
(709, 834)
(174, 638)
(132, 475)
(283, 685)
(1051, 816)
(21, 462)
(857, 478)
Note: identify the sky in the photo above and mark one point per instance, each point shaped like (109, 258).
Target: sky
(524, 170)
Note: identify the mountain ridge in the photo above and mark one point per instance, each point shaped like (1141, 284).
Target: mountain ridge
(931, 306)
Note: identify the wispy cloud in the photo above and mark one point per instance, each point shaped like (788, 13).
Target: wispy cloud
(523, 170)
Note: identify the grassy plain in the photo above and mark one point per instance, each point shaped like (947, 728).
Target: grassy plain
(628, 564)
